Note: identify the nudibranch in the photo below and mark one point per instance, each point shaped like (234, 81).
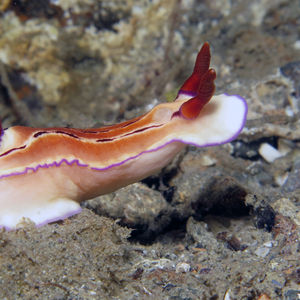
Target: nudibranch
(46, 172)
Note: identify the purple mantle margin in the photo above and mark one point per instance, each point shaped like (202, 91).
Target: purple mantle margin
(76, 161)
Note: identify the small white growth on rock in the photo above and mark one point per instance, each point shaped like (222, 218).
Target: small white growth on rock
(269, 244)
(268, 152)
(183, 267)
(262, 251)
(227, 295)
(297, 45)
(281, 179)
(207, 161)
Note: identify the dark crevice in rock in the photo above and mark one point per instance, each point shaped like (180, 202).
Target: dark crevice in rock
(264, 217)
(153, 182)
(250, 150)
(25, 92)
(35, 9)
(4, 94)
(161, 184)
(222, 197)
(143, 234)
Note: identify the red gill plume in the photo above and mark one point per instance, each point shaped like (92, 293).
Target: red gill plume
(200, 85)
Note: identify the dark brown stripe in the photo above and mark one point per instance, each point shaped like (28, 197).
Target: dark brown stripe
(39, 133)
(142, 129)
(67, 133)
(104, 140)
(127, 134)
(57, 131)
(11, 150)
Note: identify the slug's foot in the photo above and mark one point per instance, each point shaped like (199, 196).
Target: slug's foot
(40, 213)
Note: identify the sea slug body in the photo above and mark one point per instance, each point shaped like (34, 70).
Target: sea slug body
(46, 172)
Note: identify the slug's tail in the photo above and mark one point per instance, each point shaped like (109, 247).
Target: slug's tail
(200, 85)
